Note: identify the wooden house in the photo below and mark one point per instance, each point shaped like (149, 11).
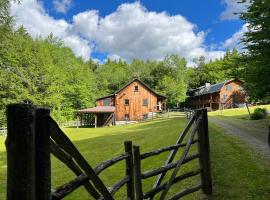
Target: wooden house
(133, 102)
(227, 94)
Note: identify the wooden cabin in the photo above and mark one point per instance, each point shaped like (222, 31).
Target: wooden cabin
(133, 102)
(228, 94)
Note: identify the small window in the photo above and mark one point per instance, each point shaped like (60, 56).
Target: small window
(126, 117)
(145, 102)
(106, 102)
(136, 88)
(224, 96)
(126, 102)
(229, 87)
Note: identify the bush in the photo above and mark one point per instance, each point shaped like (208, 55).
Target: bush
(259, 113)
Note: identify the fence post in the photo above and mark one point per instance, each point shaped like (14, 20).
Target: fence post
(129, 171)
(20, 146)
(43, 162)
(204, 150)
(137, 170)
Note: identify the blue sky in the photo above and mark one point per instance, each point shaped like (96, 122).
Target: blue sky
(147, 29)
(205, 15)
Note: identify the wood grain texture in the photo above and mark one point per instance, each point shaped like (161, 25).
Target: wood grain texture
(136, 108)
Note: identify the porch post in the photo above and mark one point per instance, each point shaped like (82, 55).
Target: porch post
(95, 120)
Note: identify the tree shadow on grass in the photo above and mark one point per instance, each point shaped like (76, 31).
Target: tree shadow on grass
(237, 172)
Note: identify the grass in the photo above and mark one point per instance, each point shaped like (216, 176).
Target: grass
(238, 172)
(241, 115)
(250, 181)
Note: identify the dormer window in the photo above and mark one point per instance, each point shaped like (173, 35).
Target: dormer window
(136, 88)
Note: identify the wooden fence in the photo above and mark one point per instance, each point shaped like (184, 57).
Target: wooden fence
(197, 124)
(33, 135)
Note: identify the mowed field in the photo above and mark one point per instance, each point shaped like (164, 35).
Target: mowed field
(242, 114)
(238, 172)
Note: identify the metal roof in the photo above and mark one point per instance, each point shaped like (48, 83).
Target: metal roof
(209, 89)
(98, 109)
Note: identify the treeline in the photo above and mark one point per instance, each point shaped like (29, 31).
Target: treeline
(45, 72)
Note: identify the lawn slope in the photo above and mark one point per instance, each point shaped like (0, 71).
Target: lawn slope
(238, 173)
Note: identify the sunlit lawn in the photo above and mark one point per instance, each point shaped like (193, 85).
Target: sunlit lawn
(241, 116)
(250, 181)
(241, 113)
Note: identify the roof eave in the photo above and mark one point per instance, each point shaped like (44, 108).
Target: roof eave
(112, 95)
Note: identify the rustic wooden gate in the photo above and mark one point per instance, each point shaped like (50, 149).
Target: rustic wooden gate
(33, 135)
(197, 124)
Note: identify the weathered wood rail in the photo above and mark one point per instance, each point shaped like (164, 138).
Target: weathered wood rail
(198, 124)
(33, 135)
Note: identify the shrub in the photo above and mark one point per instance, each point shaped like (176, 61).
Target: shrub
(259, 113)
(262, 110)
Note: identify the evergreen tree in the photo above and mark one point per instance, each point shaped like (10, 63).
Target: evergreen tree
(256, 61)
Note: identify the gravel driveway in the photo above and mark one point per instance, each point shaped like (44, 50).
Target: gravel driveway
(254, 135)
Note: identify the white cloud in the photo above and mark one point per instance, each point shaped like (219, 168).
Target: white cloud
(33, 17)
(130, 32)
(134, 32)
(86, 23)
(213, 55)
(62, 6)
(232, 8)
(234, 41)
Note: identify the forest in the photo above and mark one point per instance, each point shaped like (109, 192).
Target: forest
(42, 71)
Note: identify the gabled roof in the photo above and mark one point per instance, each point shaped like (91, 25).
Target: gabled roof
(211, 88)
(136, 79)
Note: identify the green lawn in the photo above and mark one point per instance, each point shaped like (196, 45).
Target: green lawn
(241, 113)
(238, 173)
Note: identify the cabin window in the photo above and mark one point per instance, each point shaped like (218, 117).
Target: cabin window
(106, 102)
(229, 87)
(145, 102)
(136, 88)
(126, 117)
(225, 96)
(126, 102)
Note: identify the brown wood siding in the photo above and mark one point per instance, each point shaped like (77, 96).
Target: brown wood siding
(135, 109)
(213, 100)
(100, 101)
(235, 90)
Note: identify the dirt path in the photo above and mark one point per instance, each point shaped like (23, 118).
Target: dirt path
(254, 135)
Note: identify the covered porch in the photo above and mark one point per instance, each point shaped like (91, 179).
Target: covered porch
(98, 116)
